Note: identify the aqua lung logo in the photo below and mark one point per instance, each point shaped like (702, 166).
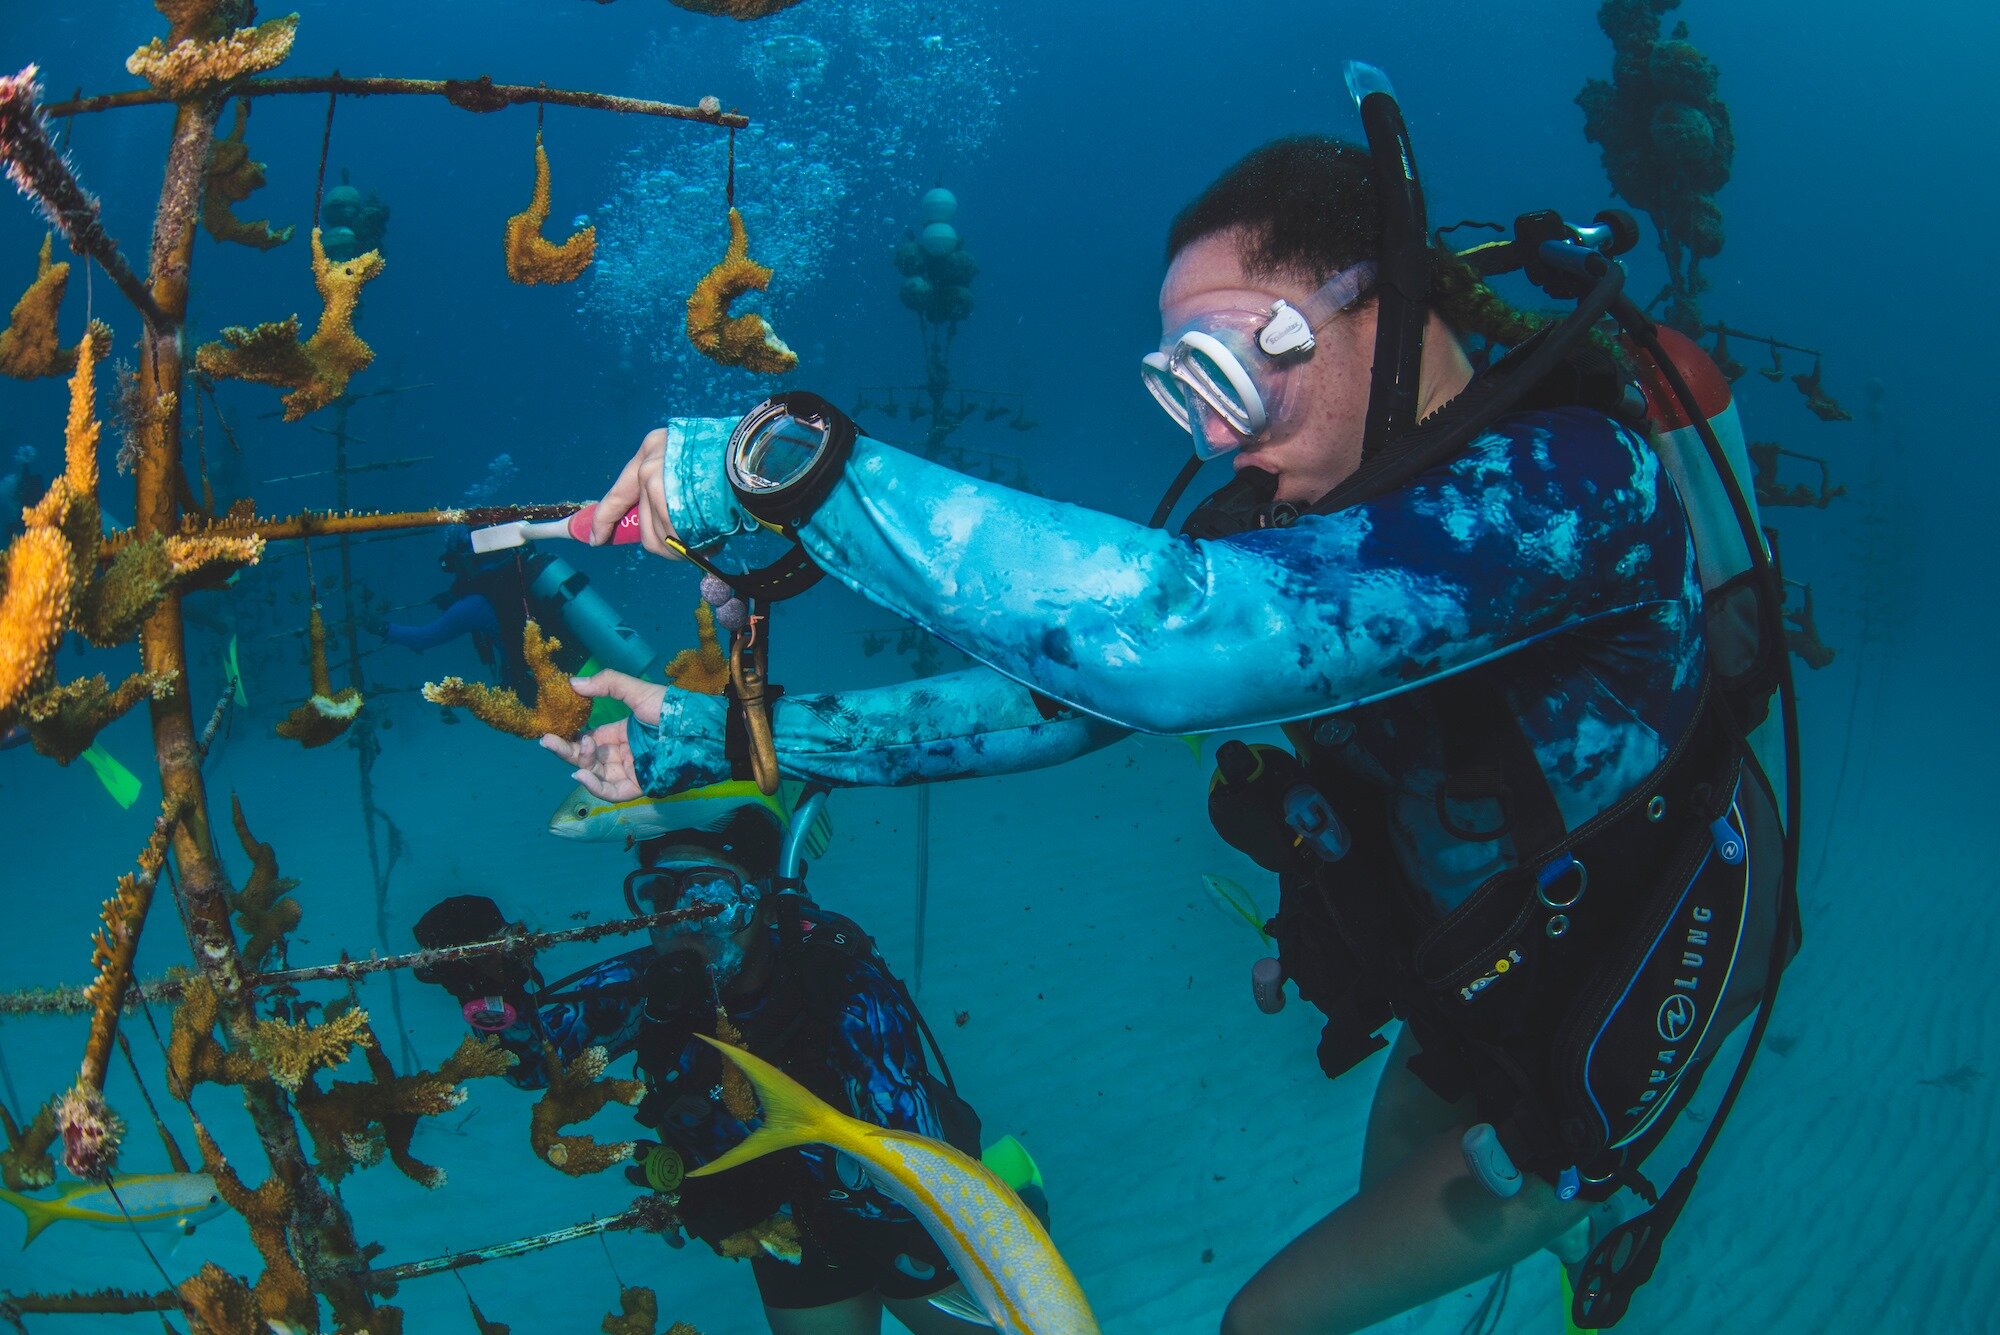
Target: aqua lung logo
(1678, 1014)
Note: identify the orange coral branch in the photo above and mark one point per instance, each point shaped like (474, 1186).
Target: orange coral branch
(263, 911)
(557, 709)
(33, 610)
(743, 340)
(29, 347)
(232, 178)
(576, 1094)
(316, 371)
(116, 943)
(192, 66)
(327, 713)
(533, 258)
(704, 668)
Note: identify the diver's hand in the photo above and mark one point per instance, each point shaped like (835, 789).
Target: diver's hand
(643, 483)
(603, 755)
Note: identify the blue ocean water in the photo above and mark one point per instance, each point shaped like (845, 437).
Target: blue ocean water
(1184, 1136)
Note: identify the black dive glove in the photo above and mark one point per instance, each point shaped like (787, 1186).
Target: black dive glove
(480, 982)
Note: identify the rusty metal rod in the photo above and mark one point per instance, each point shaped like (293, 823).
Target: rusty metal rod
(479, 95)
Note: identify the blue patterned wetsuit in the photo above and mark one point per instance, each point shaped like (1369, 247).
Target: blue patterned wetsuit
(1552, 555)
(837, 1023)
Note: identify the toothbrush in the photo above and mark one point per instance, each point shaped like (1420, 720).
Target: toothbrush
(499, 537)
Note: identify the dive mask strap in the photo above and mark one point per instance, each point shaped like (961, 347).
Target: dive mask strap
(1292, 327)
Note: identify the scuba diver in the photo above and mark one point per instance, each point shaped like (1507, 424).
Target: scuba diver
(490, 598)
(1520, 629)
(773, 972)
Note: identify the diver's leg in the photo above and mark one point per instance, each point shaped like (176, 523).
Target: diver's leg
(1419, 1228)
(923, 1319)
(860, 1315)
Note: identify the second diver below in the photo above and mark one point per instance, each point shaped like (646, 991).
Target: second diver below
(803, 988)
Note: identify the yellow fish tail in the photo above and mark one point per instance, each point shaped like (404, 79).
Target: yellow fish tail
(793, 1114)
(38, 1213)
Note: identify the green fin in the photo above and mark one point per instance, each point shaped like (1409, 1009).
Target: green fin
(121, 783)
(235, 673)
(1011, 1163)
(37, 1213)
(1193, 742)
(1235, 901)
(1569, 1296)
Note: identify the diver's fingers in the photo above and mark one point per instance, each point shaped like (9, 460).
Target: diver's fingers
(606, 790)
(649, 530)
(571, 752)
(599, 683)
(624, 494)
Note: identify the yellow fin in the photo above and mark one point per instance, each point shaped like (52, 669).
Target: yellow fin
(1235, 901)
(38, 1213)
(793, 1114)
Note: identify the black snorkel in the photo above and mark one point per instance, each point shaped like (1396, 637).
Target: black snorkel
(1403, 270)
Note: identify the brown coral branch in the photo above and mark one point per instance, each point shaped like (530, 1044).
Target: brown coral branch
(105, 1301)
(232, 178)
(64, 720)
(531, 257)
(29, 347)
(327, 713)
(705, 667)
(354, 1122)
(316, 371)
(480, 95)
(115, 945)
(26, 1165)
(283, 1292)
(264, 911)
(745, 340)
(577, 1093)
(638, 1313)
(557, 708)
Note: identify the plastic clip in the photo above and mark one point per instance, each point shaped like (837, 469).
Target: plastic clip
(1568, 1183)
(1728, 843)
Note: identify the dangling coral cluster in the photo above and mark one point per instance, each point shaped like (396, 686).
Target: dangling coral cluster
(704, 668)
(1666, 139)
(196, 65)
(282, 1293)
(354, 1122)
(557, 708)
(25, 1164)
(52, 582)
(232, 178)
(290, 1052)
(531, 257)
(29, 347)
(745, 340)
(638, 1313)
(315, 371)
(264, 911)
(327, 713)
(576, 1093)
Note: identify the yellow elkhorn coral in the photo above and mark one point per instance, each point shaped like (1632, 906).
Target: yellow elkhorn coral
(28, 345)
(317, 370)
(742, 340)
(533, 258)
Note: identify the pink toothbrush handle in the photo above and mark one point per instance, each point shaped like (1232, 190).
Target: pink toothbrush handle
(627, 530)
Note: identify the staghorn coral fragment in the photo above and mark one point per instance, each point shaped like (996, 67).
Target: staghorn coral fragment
(112, 607)
(25, 1164)
(354, 1122)
(531, 257)
(218, 1303)
(743, 340)
(282, 1292)
(29, 348)
(34, 607)
(576, 1094)
(64, 720)
(292, 1052)
(326, 713)
(638, 1313)
(704, 668)
(558, 708)
(263, 912)
(91, 1133)
(317, 370)
(197, 65)
(194, 1055)
(737, 1096)
(777, 1236)
(232, 177)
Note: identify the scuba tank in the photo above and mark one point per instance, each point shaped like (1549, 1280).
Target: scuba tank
(596, 622)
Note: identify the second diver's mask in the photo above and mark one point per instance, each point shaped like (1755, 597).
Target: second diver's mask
(1237, 365)
(684, 885)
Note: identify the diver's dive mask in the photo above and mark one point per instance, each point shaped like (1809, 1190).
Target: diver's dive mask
(672, 886)
(1236, 365)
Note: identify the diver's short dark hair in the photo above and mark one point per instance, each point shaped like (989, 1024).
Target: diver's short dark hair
(1305, 206)
(750, 838)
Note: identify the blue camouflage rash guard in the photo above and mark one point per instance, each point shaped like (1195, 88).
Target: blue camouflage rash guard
(870, 1068)
(1552, 554)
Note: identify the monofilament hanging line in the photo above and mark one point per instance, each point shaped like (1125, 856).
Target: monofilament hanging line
(325, 142)
(729, 189)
